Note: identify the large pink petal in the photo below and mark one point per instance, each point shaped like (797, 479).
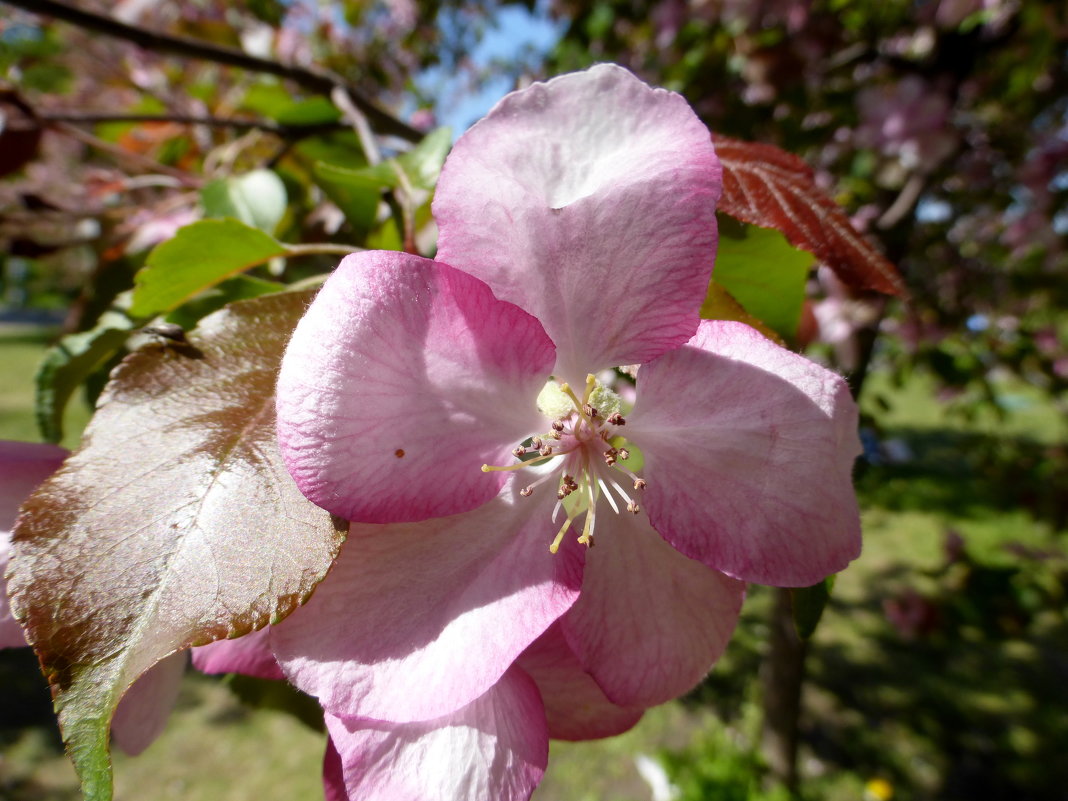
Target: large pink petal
(749, 451)
(590, 202)
(650, 622)
(495, 748)
(23, 465)
(405, 377)
(250, 655)
(416, 620)
(576, 708)
(143, 711)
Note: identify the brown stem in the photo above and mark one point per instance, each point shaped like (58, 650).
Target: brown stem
(143, 162)
(96, 117)
(314, 79)
(782, 677)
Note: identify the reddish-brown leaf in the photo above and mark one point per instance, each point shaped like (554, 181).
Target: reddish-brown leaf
(175, 524)
(766, 186)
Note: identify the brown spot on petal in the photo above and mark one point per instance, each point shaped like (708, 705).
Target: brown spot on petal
(399, 453)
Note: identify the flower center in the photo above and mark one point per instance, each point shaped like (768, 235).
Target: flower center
(582, 454)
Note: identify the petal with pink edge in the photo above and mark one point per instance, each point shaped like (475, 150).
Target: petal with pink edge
(588, 201)
(417, 620)
(650, 622)
(575, 707)
(405, 377)
(749, 452)
(496, 748)
(250, 655)
(23, 465)
(143, 711)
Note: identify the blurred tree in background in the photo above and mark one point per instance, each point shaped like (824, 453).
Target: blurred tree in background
(942, 126)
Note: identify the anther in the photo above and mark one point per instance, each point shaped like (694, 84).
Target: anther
(624, 454)
(535, 443)
(545, 450)
(590, 411)
(526, 492)
(633, 508)
(639, 483)
(518, 452)
(558, 425)
(610, 456)
(617, 420)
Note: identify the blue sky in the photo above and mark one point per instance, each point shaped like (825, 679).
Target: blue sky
(515, 29)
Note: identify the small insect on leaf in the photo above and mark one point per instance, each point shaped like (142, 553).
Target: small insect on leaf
(170, 331)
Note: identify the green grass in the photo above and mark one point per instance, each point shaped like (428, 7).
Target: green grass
(966, 699)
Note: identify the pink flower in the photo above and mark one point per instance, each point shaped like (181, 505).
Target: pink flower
(449, 409)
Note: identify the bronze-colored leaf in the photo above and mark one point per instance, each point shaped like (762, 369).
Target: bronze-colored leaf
(766, 186)
(175, 524)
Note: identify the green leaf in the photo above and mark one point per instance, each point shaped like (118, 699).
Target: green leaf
(198, 257)
(175, 524)
(419, 167)
(69, 362)
(257, 198)
(240, 287)
(808, 605)
(357, 197)
(763, 272)
(720, 305)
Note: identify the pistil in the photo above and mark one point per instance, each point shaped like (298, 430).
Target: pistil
(581, 436)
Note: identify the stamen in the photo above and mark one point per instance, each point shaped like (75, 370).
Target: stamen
(558, 426)
(608, 495)
(591, 517)
(639, 483)
(633, 508)
(518, 452)
(535, 443)
(624, 454)
(616, 419)
(528, 490)
(537, 460)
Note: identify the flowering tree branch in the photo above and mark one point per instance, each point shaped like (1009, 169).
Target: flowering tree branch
(314, 79)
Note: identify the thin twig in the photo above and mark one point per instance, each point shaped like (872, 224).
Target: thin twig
(316, 79)
(98, 117)
(143, 162)
(312, 248)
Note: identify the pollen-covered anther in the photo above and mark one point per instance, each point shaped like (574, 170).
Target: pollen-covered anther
(616, 419)
(639, 483)
(526, 492)
(610, 456)
(518, 452)
(535, 443)
(633, 508)
(624, 454)
(558, 426)
(590, 411)
(545, 450)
